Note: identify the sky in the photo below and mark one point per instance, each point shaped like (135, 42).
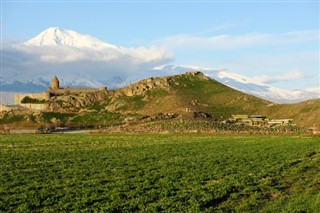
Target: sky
(274, 42)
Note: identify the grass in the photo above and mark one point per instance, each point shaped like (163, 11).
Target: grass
(188, 91)
(11, 118)
(85, 119)
(152, 173)
(131, 102)
(63, 117)
(95, 119)
(220, 99)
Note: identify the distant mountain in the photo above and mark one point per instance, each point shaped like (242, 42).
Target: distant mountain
(264, 91)
(78, 60)
(248, 85)
(55, 36)
(84, 61)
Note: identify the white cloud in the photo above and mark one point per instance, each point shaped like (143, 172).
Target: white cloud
(226, 41)
(64, 54)
(25, 64)
(314, 89)
(154, 53)
(289, 76)
(21, 62)
(217, 42)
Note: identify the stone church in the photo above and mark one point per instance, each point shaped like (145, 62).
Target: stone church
(54, 90)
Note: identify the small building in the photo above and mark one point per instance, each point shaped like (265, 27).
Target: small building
(240, 117)
(314, 130)
(40, 101)
(56, 90)
(254, 121)
(262, 117)
(280, 121)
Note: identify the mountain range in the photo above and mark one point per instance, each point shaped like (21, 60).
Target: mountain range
(84, 61)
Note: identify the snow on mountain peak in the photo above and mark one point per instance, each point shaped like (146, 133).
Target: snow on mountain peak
(236, 77)
(248, 85)
(55, 36)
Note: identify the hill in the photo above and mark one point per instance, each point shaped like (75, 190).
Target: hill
(192, 91)
(184, 97)
(305, 113)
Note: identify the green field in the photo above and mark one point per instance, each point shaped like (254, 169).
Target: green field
(154, 173)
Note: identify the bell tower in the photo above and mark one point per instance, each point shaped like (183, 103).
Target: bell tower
(55, 83)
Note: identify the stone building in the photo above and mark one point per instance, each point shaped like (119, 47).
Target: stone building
(40, 101)
(55, 83)
(55, 89)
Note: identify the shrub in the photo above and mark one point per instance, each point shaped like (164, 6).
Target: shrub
(27, 100)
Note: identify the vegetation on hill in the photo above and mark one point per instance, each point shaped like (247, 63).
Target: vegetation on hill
(305, 113)
(192, 91)
(29, 100)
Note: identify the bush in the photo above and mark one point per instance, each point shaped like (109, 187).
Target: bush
(27, 100)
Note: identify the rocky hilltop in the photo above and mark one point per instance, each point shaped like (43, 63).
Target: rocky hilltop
(192, 91)
(78, 99)
(141, 87)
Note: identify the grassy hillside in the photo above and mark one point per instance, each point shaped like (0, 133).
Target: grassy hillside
(180, 94)
(198, 92)
(195, 92)
(306, 113)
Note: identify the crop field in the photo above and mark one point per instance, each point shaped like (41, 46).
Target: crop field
(159, 173)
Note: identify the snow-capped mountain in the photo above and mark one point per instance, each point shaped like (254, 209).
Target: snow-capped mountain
(55, 36)
(78, 60)
(248, 85)
(84, 61)
(56, 45)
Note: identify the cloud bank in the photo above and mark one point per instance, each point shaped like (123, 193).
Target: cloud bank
(227, 41)
(94, 63)
(23, 62)
(289, 76)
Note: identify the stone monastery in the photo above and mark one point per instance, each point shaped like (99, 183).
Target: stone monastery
(38, 101)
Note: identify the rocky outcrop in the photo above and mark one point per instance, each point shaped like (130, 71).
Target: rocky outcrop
(197, 114)
(148, 84)
(142, 86)
(75, 102)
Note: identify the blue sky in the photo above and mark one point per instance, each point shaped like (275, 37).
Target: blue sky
(274, 42)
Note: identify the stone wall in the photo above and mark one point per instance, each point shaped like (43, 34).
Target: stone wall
(67, 91)
(41, 96)
(4, 108)
(76, 101)
(10, 107)
(36, 107)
